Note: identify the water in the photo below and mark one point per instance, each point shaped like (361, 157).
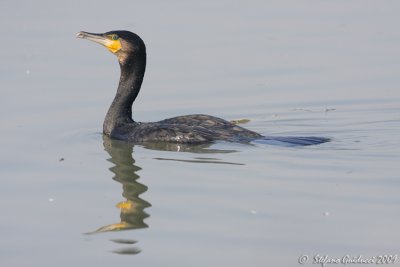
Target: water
(68, 197)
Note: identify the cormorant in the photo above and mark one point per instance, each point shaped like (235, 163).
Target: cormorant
(192, 129)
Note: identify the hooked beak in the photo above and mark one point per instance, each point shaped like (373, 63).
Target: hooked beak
(112, 45)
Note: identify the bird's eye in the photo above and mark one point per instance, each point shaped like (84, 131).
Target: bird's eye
(115, 37)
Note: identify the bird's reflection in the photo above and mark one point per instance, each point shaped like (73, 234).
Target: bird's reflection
(132, 208)
(192, 148)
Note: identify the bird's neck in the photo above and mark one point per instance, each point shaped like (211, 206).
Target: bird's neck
(120, 111)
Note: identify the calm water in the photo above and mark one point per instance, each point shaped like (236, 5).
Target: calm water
(69, 197)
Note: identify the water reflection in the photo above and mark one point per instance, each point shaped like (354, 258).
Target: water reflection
(192, 148)
(132, 214)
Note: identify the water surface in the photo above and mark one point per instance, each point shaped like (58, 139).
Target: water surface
(69, 197)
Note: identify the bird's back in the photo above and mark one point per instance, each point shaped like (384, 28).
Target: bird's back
(185, 129)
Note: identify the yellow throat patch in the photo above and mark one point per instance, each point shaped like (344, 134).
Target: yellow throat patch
(113, 45)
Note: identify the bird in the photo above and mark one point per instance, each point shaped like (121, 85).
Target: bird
(118, 124)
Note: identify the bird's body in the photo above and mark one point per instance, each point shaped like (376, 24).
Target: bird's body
(119, 124)
(193, 129)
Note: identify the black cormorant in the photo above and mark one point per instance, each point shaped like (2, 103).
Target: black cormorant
(192, 129)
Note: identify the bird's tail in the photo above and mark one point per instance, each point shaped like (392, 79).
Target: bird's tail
(292, 140)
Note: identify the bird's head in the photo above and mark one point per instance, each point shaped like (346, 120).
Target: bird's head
(123, 44)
